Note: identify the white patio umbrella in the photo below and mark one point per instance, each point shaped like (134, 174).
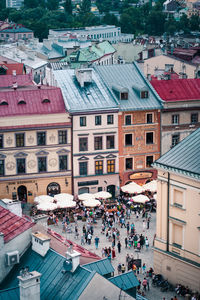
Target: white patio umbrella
(140, 199)
(151, 186)
(63, 196)
(91, 203)
(103, 195)
(132, 188)
(43, 198)
(86, 196)
(47, 206)
(66, 204)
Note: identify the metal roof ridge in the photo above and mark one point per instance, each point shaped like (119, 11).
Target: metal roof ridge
(95, 262)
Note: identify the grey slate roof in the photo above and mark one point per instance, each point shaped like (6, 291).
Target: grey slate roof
(91, 97)
(103, 266)
(131, 77)
(184, 157)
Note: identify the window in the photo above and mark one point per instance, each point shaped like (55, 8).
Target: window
(128, 140)
(194, 118)
(83, 168)
(128, 120)
(177, 235)
(98, 143)
(2, 167)
(144, 94)
(149, 118)
(97, 120)
(124, 96)
(21, 166)
(110, 119)
(63, 162)
(175, 139)
(42, 164)
(62, 137)
(149, 138)
(19, 139)
(175, 119)
(110, 142)
(169, 67)
(129, 163)
(1, 140)
(99, 167)
(111, 166)
(82, 121)
(149, 161)
(41, 138)
(83, 144)
(178, 198)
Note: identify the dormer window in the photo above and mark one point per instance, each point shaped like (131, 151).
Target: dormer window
(120, 92)
(46, 101)
(144, 94)
(21, 102)
(3, 102)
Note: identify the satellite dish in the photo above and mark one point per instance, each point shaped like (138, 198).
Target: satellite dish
(67, 265)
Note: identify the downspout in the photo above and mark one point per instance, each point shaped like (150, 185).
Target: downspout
(72, 151)
(168, 191)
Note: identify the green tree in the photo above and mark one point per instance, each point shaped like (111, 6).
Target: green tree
(155, 23)
(52, 4)
(2, 4)
(194, 23)
(31, 3)
(85, 6)
(68, 6)
(110, 19)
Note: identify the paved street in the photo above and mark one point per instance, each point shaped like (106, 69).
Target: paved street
(145, 255)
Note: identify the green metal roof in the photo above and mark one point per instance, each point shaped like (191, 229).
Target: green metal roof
(125, 281)
(90, 54)
(184, 157)
(16, 30)
(10, 294)
(103, 266)
(92, 97)
(55, 284)
(130, 76)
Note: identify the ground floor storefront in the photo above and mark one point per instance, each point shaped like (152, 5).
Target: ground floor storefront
(94, 184)
(27, 189)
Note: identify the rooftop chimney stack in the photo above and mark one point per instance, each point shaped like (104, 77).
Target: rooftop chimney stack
(29, 285)
(74, 256)
(84, 76)
(40, 243)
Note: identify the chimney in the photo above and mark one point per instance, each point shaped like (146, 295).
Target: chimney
(1, 240)
(40, 243)
(29, 284)
(15, 86)
(84, 76)
(74, 256)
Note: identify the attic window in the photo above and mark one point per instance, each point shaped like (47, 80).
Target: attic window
(144, 94)
(46, 101)
(22, 102)
(120, 92)
(3, 102)
(124, 96)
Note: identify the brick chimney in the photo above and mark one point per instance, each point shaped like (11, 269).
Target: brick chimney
(29, 285)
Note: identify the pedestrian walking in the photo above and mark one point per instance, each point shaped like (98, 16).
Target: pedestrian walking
(143, 268)
(144, 283)
(148, 283)
(126, 242)
(119, 268)
(123, 268)
(113, 253)
(119, 246)
(96, 241)
(143, 225)
(147, 243)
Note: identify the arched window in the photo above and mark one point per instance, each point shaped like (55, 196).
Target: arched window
(21, 102)
(46, 101)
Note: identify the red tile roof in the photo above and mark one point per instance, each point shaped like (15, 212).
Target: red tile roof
(34, 101)
(8, 80)
(18, 67)
(12, 225)
(177, 89)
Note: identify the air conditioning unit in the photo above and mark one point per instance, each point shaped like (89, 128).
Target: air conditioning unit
(12, 258)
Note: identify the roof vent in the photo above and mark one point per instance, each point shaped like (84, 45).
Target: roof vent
(83, 76)
(15, 85)
(12, 258)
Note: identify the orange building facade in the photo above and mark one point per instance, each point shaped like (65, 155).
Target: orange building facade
(139, 145)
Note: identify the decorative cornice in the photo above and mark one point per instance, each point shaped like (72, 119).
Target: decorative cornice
(20, 154)
(42, 153)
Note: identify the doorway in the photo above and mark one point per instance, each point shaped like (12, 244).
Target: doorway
(22, 193)
(111, 189)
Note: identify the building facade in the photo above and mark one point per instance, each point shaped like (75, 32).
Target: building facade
(181, 111)
(139, 121)
(94, 129)
(177, 243)
(35, 142)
